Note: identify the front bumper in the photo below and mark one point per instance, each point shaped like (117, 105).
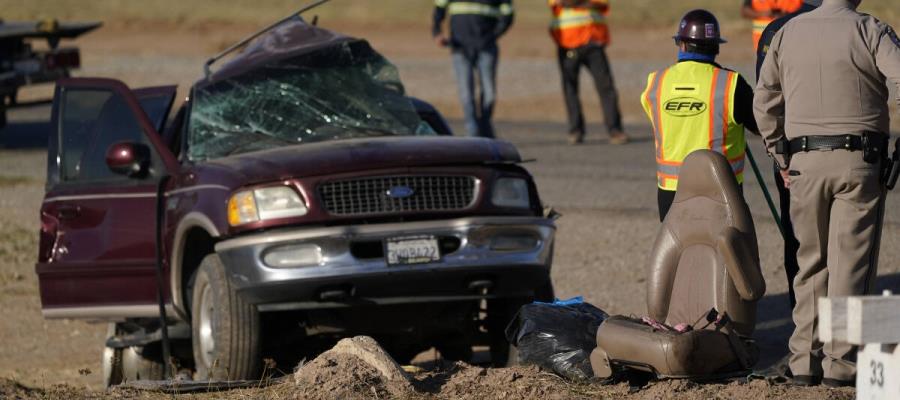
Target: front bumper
(352, 272)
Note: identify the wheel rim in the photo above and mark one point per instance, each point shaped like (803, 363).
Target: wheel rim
(206, 338)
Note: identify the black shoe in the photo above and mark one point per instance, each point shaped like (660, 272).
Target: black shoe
(837, 383)
(805, 380)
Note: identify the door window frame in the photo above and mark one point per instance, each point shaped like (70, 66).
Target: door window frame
(156, 143)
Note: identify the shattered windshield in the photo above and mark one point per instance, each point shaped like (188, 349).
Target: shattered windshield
(339, 92)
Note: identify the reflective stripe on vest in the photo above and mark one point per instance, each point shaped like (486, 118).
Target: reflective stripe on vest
(719, 117)
(485, 10)
(573, 27)
(652, 97)
(570, 18)
(690, 107)
(666, 172)
(759, 25)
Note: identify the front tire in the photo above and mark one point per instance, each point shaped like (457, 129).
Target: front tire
(225, 328)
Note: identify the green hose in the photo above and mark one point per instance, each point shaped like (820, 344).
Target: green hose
(762, 184)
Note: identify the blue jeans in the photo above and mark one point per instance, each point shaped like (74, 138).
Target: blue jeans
(484, 63)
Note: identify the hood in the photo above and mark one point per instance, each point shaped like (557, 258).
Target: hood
(341, 156)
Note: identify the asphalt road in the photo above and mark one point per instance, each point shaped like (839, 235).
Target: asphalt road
(27, 127)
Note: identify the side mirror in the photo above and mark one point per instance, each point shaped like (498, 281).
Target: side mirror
(130, 159)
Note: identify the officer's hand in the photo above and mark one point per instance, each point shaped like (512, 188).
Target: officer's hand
(441, 40)
(786, 177)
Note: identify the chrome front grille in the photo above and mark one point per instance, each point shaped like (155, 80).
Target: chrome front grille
(397, 194)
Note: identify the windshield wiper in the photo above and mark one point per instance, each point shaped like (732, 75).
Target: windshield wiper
(257, 137)
(375, 131)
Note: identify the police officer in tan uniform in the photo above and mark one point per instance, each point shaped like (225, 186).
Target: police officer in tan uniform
(821, 104)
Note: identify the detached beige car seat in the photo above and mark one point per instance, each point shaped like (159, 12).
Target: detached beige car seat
(704, 267)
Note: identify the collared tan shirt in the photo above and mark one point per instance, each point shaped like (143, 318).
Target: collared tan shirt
(826, 74)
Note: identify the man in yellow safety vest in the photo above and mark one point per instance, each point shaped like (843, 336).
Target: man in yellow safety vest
(475, 28)
(696, 104)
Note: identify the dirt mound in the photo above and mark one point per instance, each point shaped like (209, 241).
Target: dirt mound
(10, 389)
(343, 376)
(687, 390)
(463, 381)
(359, 368)
(356, 368)
(337, 375)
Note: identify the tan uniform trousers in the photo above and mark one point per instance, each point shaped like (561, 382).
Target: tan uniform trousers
(837, 204)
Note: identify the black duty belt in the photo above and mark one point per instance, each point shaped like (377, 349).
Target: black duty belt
(818, 143)
(873, 145)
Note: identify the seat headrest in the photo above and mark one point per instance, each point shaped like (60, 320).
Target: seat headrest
(707, 174)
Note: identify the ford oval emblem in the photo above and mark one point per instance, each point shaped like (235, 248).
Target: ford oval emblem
(400, 192)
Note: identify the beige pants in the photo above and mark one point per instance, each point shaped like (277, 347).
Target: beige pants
(837, 209)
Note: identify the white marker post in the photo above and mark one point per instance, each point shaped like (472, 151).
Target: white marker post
(872, 322)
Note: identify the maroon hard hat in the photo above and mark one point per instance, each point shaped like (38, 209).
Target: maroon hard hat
(699, 26)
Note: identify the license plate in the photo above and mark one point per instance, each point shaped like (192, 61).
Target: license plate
(412, 250)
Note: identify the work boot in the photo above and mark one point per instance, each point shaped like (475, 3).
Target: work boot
(837, 383)
(576, 138)
(805, 380)
(618, 137)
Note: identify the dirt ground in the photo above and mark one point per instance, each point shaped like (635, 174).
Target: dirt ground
(606, 194)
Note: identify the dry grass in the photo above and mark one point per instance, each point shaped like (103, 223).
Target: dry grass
(530, 12)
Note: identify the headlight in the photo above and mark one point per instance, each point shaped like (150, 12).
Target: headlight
(262, 204)
(511, 192)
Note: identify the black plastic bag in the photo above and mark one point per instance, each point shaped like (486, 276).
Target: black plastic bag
(558, 336)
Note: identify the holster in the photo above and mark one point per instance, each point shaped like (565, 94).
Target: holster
(875, 147)
(892, 168)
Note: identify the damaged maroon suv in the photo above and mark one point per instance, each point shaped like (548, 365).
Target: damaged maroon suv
(296, 197)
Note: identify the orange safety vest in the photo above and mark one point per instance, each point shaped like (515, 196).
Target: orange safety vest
(760, 24)
(573, 27)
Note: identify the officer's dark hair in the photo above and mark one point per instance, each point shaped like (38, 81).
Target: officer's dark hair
(707, 48)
